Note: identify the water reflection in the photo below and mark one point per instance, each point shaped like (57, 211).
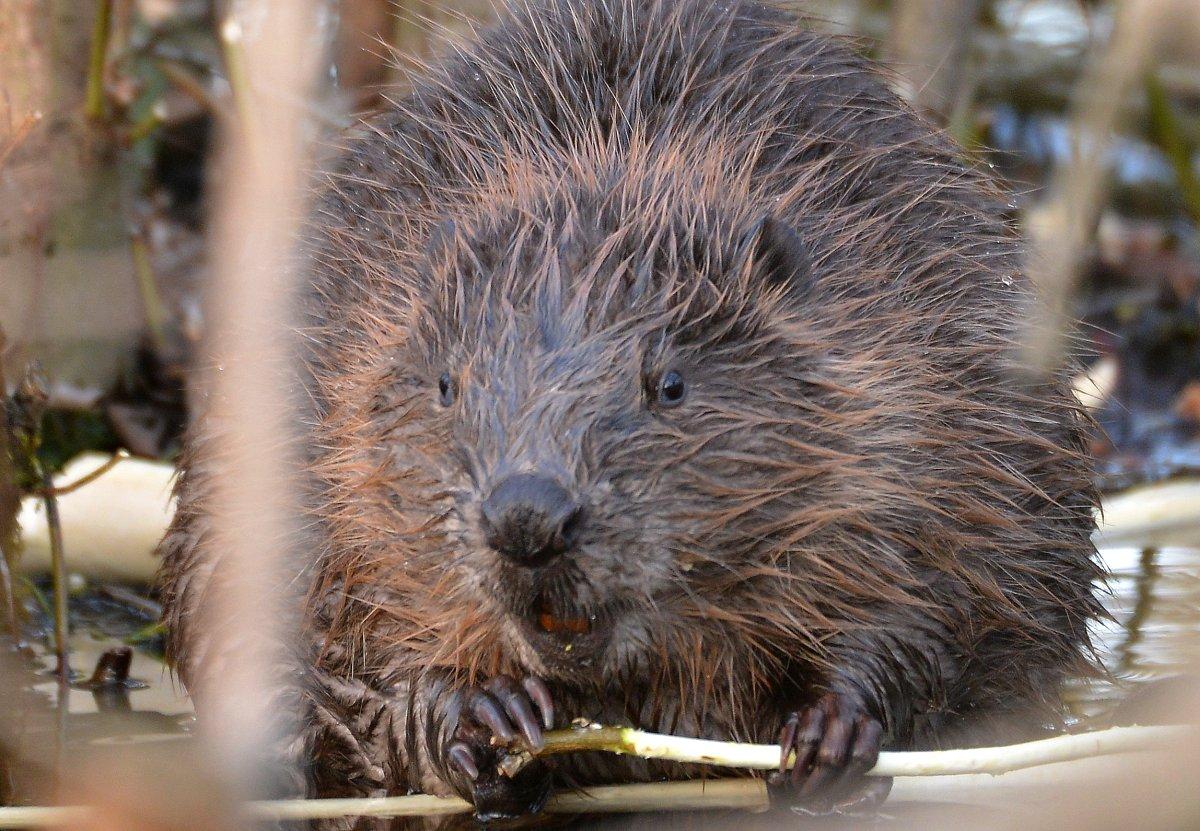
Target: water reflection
(1154, 599)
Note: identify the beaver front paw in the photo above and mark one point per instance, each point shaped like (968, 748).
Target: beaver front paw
(835, 741)
(491, 719)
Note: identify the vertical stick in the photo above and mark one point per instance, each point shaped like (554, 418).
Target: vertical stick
(930, 40)
(273, 53)
(1059, 237)
(10, 504)
(93, 106)
(7, 599)
(58, 565)
(148, 289)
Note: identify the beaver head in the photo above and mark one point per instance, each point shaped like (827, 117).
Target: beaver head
(594, 443)
(603, 401)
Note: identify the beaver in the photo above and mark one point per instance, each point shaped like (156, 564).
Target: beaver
(660, 367)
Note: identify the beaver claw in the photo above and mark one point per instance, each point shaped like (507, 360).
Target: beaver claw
(835, 741)
(491, 719)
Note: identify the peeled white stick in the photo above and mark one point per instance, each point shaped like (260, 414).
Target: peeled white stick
(995, 760)
(110, 526)
(1093, 387)
(747, 794)
(1164, 513)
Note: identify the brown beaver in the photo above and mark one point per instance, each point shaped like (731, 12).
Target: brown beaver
(660, 369)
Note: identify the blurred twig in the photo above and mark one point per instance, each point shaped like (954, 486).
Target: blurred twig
(930, 40)
(133, 599)
(87, 479)
(1060, 232)
(10, 505)
(1166, 131)
(18, 135)
(94, 98)
(186, 82)
(273, 70)
(148, 289)
(58, 560)
(232, 48)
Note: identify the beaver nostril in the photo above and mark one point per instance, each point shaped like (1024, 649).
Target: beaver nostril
(530, 519)
(571, 527)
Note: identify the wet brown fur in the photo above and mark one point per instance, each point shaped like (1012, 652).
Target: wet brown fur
(862, 489)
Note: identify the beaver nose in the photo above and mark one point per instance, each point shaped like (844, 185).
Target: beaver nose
(529, 519)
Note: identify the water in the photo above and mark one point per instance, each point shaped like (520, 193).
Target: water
(1155, 601)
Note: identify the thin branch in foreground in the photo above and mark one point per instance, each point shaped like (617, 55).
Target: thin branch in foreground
(58, 562)
(711, 794)
(18, 136)
(152, 305)
(10, 506)
(249, 592)
(87, 478)
(746, 794)
(1060, 230)
(94, 99)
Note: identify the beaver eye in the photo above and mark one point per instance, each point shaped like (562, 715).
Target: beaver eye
(445, 389)
(671, 389)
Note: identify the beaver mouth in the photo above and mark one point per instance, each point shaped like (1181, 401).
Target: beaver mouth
(562, 633)
(553, 624)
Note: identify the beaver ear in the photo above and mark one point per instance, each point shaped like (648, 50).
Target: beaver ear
(778, 253)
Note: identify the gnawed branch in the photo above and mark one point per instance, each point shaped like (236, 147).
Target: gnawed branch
(746, 794)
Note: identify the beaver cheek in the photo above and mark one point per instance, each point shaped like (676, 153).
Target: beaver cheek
(630, 646)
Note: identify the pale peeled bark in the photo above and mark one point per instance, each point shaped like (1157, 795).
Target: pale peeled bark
(110, 527)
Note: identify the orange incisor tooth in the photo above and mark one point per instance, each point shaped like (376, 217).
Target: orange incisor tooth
(575, 625)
